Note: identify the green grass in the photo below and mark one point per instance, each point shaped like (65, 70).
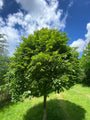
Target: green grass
(73, 104)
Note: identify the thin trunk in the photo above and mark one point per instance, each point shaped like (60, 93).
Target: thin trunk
(44, 108)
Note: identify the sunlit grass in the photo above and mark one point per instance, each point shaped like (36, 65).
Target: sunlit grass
(69, 105)
(79, 95)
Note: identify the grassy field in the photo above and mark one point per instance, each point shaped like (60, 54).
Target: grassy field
(73, 104)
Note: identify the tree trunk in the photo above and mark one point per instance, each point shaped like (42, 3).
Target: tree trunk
(44, 108)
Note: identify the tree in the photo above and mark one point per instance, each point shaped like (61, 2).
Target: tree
(43, 63)
(86, 64)
(3, 58)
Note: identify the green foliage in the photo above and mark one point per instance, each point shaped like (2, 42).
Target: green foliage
(3, 58)
(43, 62)
(4, 94)
(27, 94)
(86, 64)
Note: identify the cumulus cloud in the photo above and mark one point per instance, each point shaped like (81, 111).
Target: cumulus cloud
(82, 43)
(1, 4)
(2, 23)
(39, 14)
(88, 33)
(44, 14)
(37, 7)
(12, 35)
(78, 43)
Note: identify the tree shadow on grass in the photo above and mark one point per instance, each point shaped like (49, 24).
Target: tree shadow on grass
(56, 110)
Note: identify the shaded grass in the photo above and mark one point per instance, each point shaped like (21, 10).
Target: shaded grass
(54, 111)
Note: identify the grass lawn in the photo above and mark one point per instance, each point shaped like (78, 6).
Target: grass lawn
(73, 104)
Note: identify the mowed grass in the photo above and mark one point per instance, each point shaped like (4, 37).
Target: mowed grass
(73, 104)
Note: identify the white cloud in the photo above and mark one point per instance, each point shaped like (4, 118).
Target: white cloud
(43, 14)
(37, 7)
(78, 43)
(12, 38)
(88, 33)
(2, 23)
(39, 14)
(1, 4)
(13, 35)
(82, 43)
(14, 19)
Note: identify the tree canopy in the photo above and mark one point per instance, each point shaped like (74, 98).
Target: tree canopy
(43, 63)
(86, 64)
(3, 58)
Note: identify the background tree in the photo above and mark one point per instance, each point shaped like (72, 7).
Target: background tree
(3, 58)
(43, 63)
(85, 60)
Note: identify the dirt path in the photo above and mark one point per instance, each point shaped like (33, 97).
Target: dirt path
(59, 96)
(88, 95)
(81, 93)
(63, 107)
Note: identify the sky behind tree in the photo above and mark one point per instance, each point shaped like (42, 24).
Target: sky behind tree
(22, 17)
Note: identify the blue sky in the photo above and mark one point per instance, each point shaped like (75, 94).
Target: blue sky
(22, 17)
